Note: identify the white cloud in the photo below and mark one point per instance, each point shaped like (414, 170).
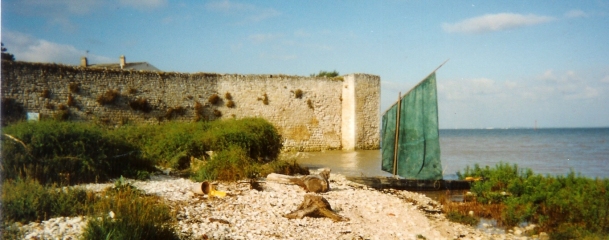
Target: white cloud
(251, 13)
(495, 22)
(143, 4)
(605, 79)
(27, 48)
(576, 13)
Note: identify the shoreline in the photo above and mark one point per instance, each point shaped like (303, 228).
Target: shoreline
(252, 214)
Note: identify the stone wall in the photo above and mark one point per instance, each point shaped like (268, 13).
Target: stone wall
(309, 112)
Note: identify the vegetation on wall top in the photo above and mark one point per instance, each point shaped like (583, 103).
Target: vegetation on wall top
(326, 74)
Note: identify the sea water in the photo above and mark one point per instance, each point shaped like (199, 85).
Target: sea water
(553, 151)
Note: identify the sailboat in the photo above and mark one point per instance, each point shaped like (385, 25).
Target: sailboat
(410, 142)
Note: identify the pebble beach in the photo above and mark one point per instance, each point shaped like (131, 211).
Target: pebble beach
(252, 214)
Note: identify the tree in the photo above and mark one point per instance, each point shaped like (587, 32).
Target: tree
(6, 55)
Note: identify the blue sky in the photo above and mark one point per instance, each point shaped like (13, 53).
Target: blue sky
(511, 62)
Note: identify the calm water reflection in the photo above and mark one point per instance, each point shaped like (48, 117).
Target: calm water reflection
(349, 163)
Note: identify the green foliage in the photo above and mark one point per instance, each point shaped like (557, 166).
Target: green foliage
(136, 216)
(327, 74)
(27, 200)
(456, 216)
(566, 206)
(66, 152)
(172, 144)
(124, 212)
(257, 136)
(229, 165)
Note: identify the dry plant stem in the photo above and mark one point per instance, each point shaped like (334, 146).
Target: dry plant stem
(19, 141)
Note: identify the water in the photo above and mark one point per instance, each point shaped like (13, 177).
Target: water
(546, 151)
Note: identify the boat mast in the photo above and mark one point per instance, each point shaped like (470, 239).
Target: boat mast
(397, 135)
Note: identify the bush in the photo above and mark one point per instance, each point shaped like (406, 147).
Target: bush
(136, 216)
(228, 165)
(327, 74)
(259, 137)
(565, 206)
(80, 151)
(27, 200)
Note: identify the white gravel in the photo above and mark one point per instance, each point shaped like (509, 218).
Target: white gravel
(252, 214)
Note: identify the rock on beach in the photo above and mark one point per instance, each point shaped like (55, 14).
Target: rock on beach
(250, 214)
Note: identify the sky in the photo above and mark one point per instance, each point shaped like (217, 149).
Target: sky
(512, 63)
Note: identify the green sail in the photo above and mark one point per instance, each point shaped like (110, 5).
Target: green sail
(418, 144)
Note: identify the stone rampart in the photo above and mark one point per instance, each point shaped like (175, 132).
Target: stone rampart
(308, 111)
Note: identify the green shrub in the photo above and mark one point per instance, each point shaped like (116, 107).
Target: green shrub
(456, 216)
(66, 152)
(27, 200)
(259, 137)
(327, 74)
(565, 206)
(135, 216)
(229, 165)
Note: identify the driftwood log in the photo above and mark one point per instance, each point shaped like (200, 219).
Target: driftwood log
(315, 206)
(311, 183)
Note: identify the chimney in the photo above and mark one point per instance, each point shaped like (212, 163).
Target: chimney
(122, 61)
(84, 62)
